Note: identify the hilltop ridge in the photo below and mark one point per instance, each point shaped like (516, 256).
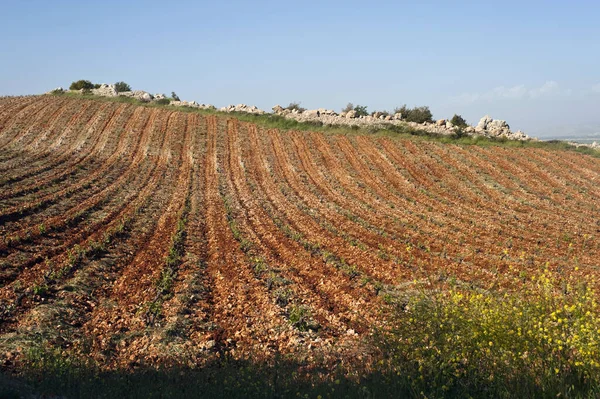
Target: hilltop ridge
(487, 127)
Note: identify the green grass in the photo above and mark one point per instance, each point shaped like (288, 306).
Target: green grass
(271, 121)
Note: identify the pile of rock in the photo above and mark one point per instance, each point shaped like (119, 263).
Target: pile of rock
(317, 113)
(497, 128)
(330, 117)
(191, 104)
(350, 118)
(320, 112)
(105, 90)
(487, 126)
(252, 109)
(140, 95)
(279, 110)
(109, 90)
(595, 145)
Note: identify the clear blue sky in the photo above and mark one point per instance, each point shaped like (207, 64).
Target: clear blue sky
(535, 64)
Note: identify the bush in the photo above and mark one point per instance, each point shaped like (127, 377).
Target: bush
(459, 133)
(121, 87)
(459, 121)
(464, 342)
(174, 96)
(163, 101)
(81, 84)
(361, 110)
(295, 106)
(417, 114)
(349, 107)
(384, 113)
(97, 85)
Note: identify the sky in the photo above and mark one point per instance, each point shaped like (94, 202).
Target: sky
(535, 64)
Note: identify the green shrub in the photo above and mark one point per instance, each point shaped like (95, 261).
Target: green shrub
(361, 110)
(401, 109)
(540, 341)
(459, 134)
(459, 121)
(417, 114)
(40, 289)
(81, 84)
(299, 317)
(163, 101)
(295, 106)
(121, 87)
(384, 113)
(97, 85)
(174, 96)
(349, 107)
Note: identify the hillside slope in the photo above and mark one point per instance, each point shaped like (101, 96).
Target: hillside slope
(135, 234)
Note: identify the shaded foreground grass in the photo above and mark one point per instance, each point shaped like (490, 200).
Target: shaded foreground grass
(228, 378)
(538, 339)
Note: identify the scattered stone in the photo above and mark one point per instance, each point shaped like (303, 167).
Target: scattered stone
(242, 108)
(443, 127)
(487, 126)
(138, 95)
(210, 344)
(191, 104)
(105, 90)
(328, 112)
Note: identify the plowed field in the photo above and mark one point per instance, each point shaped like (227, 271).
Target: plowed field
(140, 235)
